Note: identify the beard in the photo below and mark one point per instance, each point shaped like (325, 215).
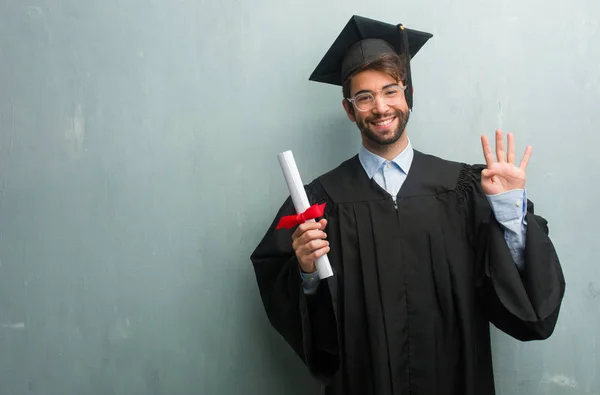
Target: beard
(373, 136)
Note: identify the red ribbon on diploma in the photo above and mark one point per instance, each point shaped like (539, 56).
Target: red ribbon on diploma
(289, 221)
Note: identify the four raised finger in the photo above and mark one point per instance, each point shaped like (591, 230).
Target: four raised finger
(511, 148)
(487, 151)
(500, 154)
(526, 157)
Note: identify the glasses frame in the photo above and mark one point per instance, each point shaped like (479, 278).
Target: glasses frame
(374, 96)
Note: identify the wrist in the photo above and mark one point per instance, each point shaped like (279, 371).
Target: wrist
(307, 269)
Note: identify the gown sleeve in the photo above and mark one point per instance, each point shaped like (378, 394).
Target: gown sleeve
(306, 322)
(522, 303)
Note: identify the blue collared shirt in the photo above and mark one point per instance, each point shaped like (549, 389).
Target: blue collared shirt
(389, 175)
(508, 207)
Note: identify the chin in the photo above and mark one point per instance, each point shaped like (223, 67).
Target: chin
(383, 139)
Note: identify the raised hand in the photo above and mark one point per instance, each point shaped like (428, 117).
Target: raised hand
(501, 174)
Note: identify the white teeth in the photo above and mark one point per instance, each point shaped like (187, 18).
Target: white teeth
(384, 123)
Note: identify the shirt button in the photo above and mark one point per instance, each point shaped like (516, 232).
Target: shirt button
(518, 203)
(388, 165)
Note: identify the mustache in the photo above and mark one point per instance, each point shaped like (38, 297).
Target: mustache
(397, 113)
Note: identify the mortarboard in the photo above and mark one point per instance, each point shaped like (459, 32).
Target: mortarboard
(362, 41)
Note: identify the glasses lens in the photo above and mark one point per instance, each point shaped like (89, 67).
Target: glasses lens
(390, 95)
(392, 92)
(364, 101)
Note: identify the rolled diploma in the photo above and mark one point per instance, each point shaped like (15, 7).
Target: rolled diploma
(301, 203)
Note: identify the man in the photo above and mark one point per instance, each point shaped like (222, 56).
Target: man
(425, 252)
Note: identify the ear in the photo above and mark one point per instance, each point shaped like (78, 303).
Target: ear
(349, 108)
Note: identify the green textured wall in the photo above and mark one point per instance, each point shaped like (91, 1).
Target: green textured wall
(138, 170)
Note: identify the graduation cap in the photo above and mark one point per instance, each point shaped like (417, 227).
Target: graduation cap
(363, 41)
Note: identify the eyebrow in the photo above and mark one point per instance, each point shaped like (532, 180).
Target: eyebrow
(368, 91)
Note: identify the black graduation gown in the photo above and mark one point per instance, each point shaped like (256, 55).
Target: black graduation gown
(415, 287)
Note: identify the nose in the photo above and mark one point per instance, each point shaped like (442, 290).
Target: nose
(381, 106)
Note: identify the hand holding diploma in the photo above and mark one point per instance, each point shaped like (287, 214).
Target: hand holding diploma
(308, 240)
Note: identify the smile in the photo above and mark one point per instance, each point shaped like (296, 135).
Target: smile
(384, 123)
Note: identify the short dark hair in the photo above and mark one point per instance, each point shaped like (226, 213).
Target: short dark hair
(390, 63)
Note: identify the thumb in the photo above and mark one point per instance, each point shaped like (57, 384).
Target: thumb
(323, 223)
(487, 173)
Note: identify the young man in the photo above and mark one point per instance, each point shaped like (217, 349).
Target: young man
(425, 252)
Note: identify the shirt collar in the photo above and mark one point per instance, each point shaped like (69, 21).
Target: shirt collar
(372, 163)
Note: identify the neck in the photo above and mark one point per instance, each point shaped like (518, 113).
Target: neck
(389, 151)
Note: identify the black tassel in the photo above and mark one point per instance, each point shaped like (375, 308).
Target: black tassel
(408, 93)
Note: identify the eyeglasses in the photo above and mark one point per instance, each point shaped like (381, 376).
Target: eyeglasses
(391, 95)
